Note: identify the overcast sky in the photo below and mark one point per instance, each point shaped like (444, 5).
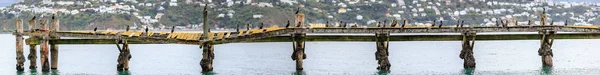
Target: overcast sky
(7, 2)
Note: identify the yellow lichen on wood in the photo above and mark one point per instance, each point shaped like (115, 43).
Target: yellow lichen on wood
(583, 26)
(220, 35)
(211, 35)
(241, 33)
(150, 33)
(138, 33)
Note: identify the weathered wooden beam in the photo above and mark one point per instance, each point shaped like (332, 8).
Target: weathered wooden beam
(545, 50)
(382, 53)
(124, 56)
(468, 42)
(430, 37)
(44, 46)
(299, 46)
(208, 56)
(54, 47)
(112, 41)
(32, 57)
(19, 45)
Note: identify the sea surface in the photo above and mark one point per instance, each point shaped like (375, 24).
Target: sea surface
(571, 57)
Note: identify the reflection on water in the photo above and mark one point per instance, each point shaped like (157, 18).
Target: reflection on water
(468, 71)
(209, 73)
(299, 72)
(124, 72)
(382, 72)
(546, 71)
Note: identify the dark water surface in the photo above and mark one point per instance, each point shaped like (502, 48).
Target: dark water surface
(573, 57)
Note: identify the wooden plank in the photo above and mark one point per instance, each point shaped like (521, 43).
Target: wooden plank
(220, 35)
(181, 36)
(189, 36)
(126, 33)
(150, 33)
(114, 32)
(211, 35)
(197, 37)
(137, 34)
(248, 32)
(172, 35)
(105, 32)
(228, 35)
(241, 33)
(163, 33)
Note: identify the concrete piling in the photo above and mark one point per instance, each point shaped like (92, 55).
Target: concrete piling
(382, 53)
(208, 56)
(467, 49)
(299, 46)
(546, 47)
(19, 45)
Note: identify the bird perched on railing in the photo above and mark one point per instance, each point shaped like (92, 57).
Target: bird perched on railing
(297, 10)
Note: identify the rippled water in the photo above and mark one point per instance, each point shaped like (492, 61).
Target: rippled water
(577, 56)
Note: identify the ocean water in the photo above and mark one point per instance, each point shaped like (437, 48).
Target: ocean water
(571, 57)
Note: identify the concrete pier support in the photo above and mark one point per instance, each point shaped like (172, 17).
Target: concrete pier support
(124, 56)
(44, 45)
(467, 49)
(546, 47)
(208, 56)
(19, 43)
(299, 46)
(382, 53)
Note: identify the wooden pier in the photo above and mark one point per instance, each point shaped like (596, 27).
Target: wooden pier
(48, 36)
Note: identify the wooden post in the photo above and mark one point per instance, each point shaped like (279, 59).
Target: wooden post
(32, 56)
(299, 20)
(208, 56)
(124, 56)
(546, 47)
(467, 49)
(382, 53)
(299, 46)
(205, 26)
(31, 24)
(19, 37)
(54, 47)
(543, 17)
(44, 45)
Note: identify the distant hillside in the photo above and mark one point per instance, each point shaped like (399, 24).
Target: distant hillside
(596, 1)
(104, 14)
